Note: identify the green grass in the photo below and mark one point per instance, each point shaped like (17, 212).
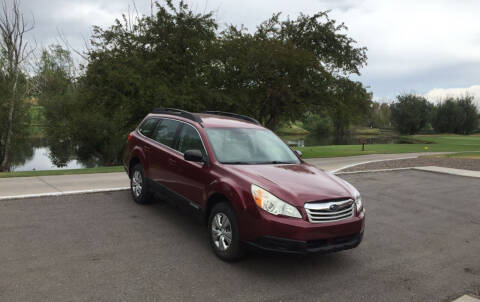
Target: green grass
(62, 172)
(365, 131)
(426, 143)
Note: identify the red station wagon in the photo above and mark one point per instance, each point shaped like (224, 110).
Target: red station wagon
(251, 189)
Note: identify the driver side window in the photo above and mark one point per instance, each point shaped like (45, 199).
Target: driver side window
(189, 139)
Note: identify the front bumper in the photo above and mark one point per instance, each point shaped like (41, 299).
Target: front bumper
(283, 245)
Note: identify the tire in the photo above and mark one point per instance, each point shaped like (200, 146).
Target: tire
(222, 222)
(139, 185)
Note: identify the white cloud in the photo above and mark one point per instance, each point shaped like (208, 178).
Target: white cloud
(89, 13)
(440, 94)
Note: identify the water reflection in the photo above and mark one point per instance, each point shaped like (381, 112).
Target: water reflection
(42, 160)
(45, 154)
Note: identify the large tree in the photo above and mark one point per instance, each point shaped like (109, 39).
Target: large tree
(56, 89)
(176, 58)
(288, 67)
(135, 66)
(13, 83)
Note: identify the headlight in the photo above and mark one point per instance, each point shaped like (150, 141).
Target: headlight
(272, 204)
(358, 201)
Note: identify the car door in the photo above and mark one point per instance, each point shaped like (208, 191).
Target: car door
(192, 177)
(163, 156)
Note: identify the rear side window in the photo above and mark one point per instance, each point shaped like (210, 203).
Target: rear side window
(147, 127)
(189, 139)
(165, 132)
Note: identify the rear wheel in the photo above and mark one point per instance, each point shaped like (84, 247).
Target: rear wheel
(224, 233)
(138, 185)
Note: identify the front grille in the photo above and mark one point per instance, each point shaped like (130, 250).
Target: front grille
(327, 211)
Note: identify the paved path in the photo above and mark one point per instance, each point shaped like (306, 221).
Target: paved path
(53, 185)
(421, 244)
(57, 185)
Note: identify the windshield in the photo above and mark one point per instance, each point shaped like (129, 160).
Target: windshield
(249, 146)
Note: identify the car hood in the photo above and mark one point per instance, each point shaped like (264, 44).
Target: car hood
(295, 183)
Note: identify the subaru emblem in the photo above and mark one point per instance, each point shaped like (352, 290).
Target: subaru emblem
(333, 207)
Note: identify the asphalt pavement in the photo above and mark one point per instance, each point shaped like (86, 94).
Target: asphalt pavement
(422, 243)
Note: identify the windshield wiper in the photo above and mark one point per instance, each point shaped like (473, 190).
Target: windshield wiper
(273, 162)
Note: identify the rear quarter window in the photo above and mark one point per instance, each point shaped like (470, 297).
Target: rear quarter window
(147, 127)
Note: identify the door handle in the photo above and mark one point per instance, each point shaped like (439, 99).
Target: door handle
(172, 162)
(146, 148)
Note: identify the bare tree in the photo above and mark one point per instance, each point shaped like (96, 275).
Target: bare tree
(13, 47)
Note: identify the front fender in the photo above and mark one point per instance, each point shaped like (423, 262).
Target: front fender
(228, 189)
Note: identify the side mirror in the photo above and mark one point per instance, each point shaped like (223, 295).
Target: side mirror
(194, 155)
(299, 153)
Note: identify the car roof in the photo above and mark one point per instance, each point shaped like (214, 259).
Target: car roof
(214, 121)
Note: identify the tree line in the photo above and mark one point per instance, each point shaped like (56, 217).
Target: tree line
(176, 57)
(410, 114)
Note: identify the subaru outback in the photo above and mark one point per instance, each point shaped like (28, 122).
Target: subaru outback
(250, 188)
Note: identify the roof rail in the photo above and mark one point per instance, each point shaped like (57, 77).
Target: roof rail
(178, 112)
(234, 115)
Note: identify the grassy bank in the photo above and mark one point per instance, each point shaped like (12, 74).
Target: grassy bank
(292, 129)
(426, 143)
(62, 172)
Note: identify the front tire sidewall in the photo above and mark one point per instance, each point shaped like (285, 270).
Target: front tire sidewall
(235, 251)
(143, 198)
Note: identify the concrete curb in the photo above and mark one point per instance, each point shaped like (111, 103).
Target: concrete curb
(373, 171)
(456, 172)
(63, 193)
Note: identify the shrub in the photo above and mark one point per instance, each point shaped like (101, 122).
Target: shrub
(410, 113)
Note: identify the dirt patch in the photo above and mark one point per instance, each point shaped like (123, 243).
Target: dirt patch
(456, 163)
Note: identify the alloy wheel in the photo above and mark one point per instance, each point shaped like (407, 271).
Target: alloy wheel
(221, 231)
(137, 182)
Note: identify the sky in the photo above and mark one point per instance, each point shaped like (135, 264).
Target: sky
(428, 47)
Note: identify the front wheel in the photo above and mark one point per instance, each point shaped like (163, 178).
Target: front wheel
(138, 185)
(224, 233)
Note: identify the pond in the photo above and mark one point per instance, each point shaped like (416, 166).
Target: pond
(40, 160)
(36, 155)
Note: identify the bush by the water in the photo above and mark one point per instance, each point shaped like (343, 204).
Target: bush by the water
(318, 123)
